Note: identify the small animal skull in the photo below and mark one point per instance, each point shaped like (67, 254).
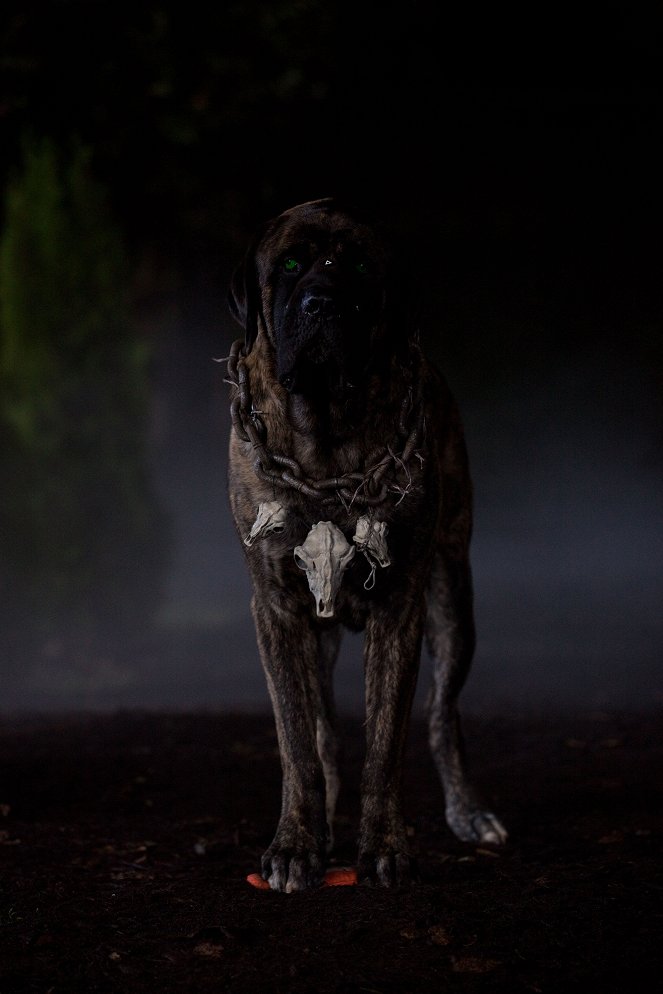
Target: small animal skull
(324, 555)
(370, 538)
(271, 518)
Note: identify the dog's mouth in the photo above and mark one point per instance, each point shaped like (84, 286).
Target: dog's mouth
(317, 372)
(309, 380)
(324, 355)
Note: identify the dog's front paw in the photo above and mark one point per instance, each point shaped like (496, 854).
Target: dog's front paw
(385, 868)
(473, 825)
(384, 855)
(291, 865)
(384, 858)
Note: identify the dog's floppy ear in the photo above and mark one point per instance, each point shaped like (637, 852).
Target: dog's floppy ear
(244, 298)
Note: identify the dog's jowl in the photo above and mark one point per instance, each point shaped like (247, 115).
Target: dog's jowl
(350, 490)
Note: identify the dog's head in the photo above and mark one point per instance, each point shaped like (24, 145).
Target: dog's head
(315, 281)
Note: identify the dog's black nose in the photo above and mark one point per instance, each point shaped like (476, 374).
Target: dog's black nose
(317, 302)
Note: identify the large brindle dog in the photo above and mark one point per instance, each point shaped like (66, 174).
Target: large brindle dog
(350, 490)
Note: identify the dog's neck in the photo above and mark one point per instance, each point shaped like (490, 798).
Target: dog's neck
(336, 417)
(320, 447)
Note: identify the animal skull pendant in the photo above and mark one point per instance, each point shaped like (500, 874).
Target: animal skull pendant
(271, 518)
(370, 537)
(324, 555)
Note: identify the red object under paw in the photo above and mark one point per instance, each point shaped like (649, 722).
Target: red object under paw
(341, 877)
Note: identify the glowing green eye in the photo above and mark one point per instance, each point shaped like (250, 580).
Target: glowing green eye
(361, 268)
(290, 265)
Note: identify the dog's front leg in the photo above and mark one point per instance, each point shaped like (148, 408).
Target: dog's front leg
(392, 650)
(288, 650)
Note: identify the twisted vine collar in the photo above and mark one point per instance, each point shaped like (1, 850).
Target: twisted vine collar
(387, 470)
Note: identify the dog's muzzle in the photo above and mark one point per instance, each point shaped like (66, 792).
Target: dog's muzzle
(323, 343)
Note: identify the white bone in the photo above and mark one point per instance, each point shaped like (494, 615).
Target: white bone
(324, 555)
(370, 538)
(271, 518)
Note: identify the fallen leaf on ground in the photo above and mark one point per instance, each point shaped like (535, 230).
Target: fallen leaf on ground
(611, 838)
(438, 935)
(473, 964)
(209, 949)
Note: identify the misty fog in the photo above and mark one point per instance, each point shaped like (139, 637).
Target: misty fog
(567, 550)
(531, 212)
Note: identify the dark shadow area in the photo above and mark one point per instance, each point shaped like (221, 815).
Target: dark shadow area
(126, 840)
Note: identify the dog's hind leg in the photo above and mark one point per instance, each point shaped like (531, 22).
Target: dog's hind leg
(450, 641)
(329, 642)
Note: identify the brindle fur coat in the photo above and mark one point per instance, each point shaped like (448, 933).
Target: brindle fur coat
(333, 383)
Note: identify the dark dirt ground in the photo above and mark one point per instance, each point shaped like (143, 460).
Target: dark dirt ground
(125, 841)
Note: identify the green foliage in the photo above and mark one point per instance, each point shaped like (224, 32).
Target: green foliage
(79, 535)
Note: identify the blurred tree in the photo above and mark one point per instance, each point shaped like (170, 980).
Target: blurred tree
(81, 537)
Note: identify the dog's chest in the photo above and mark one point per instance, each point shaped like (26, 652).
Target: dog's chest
(333, 560)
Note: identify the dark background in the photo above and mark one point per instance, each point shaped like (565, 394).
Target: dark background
(521, 163)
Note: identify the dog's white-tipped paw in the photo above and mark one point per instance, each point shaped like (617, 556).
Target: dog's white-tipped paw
(489, 829)
(477, 826)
